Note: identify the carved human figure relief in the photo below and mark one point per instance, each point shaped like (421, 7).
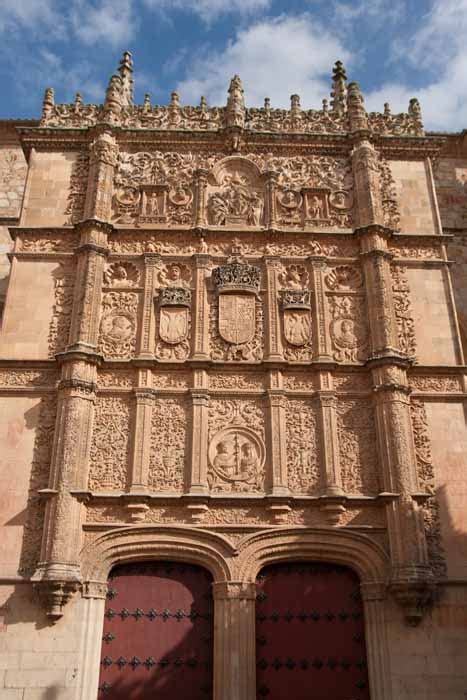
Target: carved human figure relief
(174, 275)
(121, 274)
(348, 329)
(118, 324)
(236, 452)
(236, 195)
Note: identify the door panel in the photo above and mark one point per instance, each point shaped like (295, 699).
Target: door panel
(310, 642)
(158, 631)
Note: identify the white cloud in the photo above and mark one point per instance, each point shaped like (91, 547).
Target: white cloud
(112, 21)
(438, 48)
(274, 58)
(210, 10)
(28, 14)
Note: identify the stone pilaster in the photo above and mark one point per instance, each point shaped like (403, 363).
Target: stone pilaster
(199, 437)
(321, 320)
(58, 573)
(273, 336)
(138, 481)
(277, 436)
(201, 319)
(376, 267)
(365, 166)
(92, 253)
(234, 641)
(103, 159)
(148, 323)
(411, 578)
(329, 440)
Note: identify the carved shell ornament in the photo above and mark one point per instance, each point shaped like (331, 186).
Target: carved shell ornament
(344, 278)
(121, 274)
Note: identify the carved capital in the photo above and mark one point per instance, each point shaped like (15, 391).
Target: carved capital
(234, 590)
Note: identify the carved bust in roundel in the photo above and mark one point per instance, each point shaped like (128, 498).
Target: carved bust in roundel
(236, 193)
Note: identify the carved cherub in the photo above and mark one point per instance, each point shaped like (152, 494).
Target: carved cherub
(294, 277)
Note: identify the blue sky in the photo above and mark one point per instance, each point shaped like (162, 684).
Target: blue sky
(396, 49)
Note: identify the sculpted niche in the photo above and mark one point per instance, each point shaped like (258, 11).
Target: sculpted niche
(236, 194)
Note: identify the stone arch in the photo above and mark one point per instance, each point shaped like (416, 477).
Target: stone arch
(357, 551)
(176, 543)
(236, 163)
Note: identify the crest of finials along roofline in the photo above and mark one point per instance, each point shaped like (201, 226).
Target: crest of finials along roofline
(345, 112)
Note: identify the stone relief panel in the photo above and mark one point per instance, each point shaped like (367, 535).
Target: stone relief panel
(300, 381)
(116, 379)
(173, 312)
(389, 199)
(47, 242)
(171, 380)
(253, 381)
(435, 384)
(235, 197)
(168, 445)
(13, 170)
(117, 336)
(154, 188)
(40, 469)
(357, 447)
(302, 447)
(59, 328)
(236, 451)
(313, 190)
(426, 477)
(295, 301)
(110, 445)
(403, 310)
(29, 378)
(352, 382)
(78, 186)
(348, 328)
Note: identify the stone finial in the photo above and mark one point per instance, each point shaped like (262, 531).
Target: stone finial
(174, 108)
(147, 102)
(339, 88)
(325, 106)
(387, 109)
(295, 107)
(48, 102)
(78, 103)
(235, 111)
(415, 112)
(203, 104)
(126, 74)
(267, 104)
(356, 108)
(113, 99)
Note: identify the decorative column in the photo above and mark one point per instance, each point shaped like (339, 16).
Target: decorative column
(411, 581)
(58, 574)
(148, 326)
(373, 597)
(321, 318)
(198, 484)
(103, 159)
(274, 336)
(201, 320)
(138, 481)
(234, 641)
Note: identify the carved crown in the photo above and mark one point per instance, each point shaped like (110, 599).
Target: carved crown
(174, 296)
(236, 276)
(295, 299)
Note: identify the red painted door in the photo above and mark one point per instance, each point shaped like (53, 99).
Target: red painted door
(158, 633)
(310, 642)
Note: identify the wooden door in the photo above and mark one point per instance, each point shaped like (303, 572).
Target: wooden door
(310, 642)
(158, 633)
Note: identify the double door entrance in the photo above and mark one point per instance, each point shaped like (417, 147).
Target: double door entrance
(159, 633)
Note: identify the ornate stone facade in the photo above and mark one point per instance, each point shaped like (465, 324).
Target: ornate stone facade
(234, 342)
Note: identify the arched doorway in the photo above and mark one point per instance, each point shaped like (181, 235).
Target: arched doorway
(310, 642)
(158, 633)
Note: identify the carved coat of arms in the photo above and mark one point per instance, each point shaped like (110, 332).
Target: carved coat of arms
(174, 314)
(237, 318)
